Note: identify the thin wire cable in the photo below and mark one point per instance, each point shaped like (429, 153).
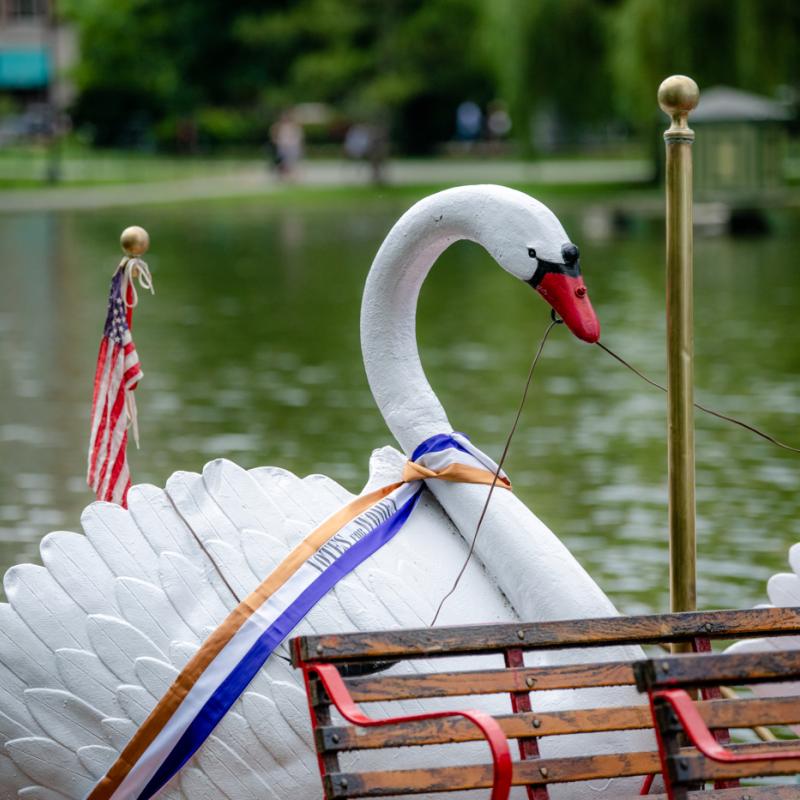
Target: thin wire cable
(528, 382)
(701, 407)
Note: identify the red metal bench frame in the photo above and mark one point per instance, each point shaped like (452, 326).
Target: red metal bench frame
(333, 684)
(699, 735)
(693, 729)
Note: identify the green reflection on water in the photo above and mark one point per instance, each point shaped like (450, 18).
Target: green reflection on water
(250, 351)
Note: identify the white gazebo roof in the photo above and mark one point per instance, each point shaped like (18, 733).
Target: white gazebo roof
(725, 104)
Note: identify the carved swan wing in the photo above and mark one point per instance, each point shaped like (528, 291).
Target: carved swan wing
(93, 638)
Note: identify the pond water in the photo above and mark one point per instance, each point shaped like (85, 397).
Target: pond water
(250, 351)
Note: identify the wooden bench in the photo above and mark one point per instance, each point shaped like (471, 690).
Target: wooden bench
(331, 665)
(667, 679)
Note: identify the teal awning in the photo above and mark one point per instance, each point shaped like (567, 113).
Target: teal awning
(24, 69)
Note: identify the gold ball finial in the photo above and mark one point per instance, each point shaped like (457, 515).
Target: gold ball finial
(135, 241)
(677, 96)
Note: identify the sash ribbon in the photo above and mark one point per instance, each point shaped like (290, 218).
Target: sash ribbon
(230, 658)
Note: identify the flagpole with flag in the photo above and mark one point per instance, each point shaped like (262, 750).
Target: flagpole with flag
(117, 374)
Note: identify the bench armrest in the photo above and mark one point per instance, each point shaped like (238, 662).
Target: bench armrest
(493, 733)
(701, 737)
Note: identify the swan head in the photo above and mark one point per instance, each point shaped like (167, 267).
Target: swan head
(561, 284)
(528, 241)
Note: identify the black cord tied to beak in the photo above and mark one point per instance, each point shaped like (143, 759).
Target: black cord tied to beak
(733, 420)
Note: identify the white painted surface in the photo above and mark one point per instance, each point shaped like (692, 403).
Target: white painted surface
(90, 641)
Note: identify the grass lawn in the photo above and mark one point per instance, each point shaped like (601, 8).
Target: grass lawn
(27, 167)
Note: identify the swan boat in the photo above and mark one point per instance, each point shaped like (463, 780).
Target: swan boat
(92, 640)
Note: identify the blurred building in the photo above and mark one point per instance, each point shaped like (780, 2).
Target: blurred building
(36, 52)
(741, 143)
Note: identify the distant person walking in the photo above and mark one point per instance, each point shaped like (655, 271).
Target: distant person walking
(369, 143)
(287, 140)
(469, 122)
(498, 120)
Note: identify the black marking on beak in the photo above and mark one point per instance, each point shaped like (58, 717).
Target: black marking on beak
(571, 265)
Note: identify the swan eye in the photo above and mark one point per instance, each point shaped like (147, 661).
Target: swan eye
(532, 252)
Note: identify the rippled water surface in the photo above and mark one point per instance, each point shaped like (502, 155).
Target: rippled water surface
(250, 351)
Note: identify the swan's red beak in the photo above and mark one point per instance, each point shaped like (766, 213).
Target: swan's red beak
(570, 300)
(561, 284)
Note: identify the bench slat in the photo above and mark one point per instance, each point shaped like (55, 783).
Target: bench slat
(476, 639)
(515, 726)
(693, 766)
(547, 771)
(740, 793)
(451, 779)
(713, 670)
(453, 684)
(740, 713)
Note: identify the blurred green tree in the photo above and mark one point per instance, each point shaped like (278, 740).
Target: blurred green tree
(750, 44)
(551, 60)
(227, 68)
(403, 64)
(184, 72)
(581, 63)
(147, 67)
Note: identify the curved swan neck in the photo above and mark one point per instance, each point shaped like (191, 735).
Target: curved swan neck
(533, 569)
(516, 230)
(388, 311)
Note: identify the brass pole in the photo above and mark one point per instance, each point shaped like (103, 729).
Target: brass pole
(677, 96)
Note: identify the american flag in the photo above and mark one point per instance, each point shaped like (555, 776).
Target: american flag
(113, 406)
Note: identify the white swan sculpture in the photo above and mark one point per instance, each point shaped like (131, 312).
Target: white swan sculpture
(91, 640)
(783, 590)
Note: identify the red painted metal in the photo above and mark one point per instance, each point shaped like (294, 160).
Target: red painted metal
(521, 702)
(311, 710)
(662, 749)
(702, 644)
(647, 784)
(701, 737)
(567, 295)
(496, 739)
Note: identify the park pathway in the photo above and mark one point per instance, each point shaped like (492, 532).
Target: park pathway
(256, 180)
